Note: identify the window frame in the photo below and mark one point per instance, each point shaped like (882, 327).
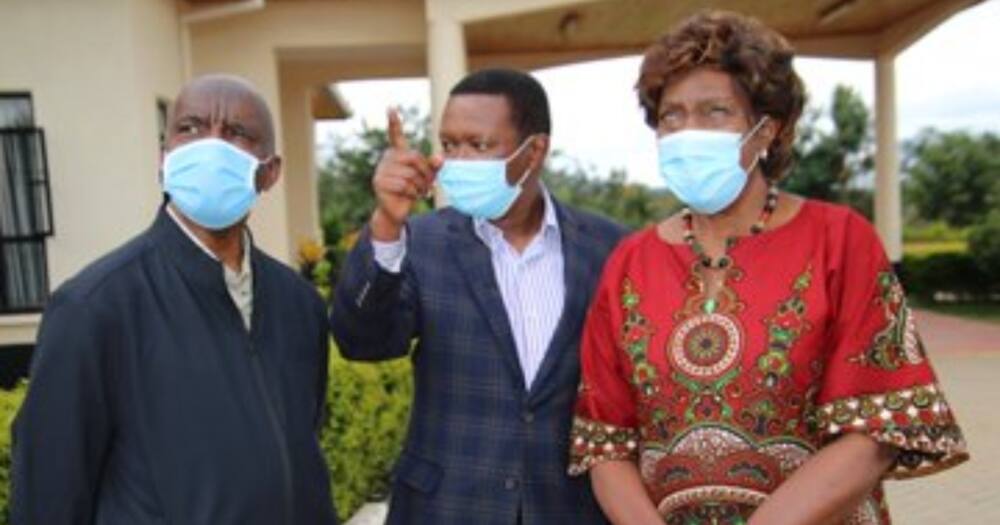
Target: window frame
(39, 189)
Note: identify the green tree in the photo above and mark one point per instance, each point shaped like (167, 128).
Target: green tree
(345, 191)
(632, 204)
(953, 176)
(346, 198)
(828, 163)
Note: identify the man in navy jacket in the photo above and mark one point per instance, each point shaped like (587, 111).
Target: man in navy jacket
(181, 378)
(494, 290)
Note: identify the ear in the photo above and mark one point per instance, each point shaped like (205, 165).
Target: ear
(159, 167)
(268, 174)
(537, 151)
(769, 132)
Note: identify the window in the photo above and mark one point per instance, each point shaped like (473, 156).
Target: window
(25, 210)
(16, 110)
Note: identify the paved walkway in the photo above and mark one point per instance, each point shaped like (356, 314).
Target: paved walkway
(946, 334)
(370, 514)
(966, 355)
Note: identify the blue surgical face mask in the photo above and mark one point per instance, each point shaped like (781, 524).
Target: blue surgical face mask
(211, 181)
(479, 188)
(702, 167)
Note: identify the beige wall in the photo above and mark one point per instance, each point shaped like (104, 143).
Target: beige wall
(94, 70)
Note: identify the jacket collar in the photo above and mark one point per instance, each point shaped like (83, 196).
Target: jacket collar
(198, 267)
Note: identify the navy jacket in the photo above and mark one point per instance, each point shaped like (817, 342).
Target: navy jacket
(480, 448)
(150, 403)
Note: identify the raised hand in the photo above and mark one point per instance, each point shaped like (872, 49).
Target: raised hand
(402, 177)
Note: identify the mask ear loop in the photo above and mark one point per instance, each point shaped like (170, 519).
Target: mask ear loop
(519, 148)
(760, 155)
(527, 172)
(260, 167)
(524, 177)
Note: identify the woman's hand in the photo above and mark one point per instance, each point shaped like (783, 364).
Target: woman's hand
(619, 489)
(830, 485)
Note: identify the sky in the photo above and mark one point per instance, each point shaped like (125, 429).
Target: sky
(949, 80)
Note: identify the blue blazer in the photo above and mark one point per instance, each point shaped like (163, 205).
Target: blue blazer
(479, 448)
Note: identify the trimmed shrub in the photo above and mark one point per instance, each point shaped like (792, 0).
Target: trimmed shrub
(953, 275)
(369, 407)
(984, 246)
(10, 400)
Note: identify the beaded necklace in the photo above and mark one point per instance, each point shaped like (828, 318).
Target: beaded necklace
(724, 260)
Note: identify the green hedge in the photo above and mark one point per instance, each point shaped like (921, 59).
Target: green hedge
(9, 401)
(956, 275)
(969, 275)
(984, 245)
(368, 407)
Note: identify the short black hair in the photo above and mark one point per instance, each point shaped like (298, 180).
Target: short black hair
(529, 106)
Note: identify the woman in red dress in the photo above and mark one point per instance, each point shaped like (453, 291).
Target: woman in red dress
(751, 359)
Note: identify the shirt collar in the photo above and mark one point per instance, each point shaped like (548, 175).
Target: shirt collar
(489, 233)
(245, 264)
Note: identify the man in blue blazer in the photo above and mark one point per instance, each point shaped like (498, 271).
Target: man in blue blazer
(493, 290)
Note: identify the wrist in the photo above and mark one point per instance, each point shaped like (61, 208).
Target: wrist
(384, 228)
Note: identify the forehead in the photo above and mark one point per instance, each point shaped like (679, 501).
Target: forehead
(212, 103)
(704, 83)
(477, 114)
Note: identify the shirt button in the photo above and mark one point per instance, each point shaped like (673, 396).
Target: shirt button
(528, 417)
(510, 484)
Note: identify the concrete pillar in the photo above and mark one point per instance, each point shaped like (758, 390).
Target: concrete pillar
(888, 189)
(446, 65)
(299, 170)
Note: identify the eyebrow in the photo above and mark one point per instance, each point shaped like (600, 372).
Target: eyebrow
(251, 131)
(703, 101)
(242, 128)
(467, 137)
(700, 103)
(188, 118)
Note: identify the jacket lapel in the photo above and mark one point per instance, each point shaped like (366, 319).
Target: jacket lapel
(576, 270)
(476, 264)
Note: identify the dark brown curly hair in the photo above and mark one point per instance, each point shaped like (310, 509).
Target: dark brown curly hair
(757, 57)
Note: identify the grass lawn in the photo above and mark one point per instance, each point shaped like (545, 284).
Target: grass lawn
(931, 247)
(981, 311)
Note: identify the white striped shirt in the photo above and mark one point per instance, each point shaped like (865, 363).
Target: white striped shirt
(531, 283)
(532, 286)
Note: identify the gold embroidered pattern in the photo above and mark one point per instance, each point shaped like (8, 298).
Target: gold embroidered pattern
(898, 344)
(594, 442)
(635, 337)
(916, 420)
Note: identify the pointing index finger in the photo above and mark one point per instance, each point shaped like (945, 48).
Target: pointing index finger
(397, 140)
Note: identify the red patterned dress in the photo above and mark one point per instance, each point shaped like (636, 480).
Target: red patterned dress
(810, 337)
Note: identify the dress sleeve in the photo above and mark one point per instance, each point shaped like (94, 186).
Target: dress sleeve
(877, 379)
(605, 425)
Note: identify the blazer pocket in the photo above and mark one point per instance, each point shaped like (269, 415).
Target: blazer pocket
(418, 473)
